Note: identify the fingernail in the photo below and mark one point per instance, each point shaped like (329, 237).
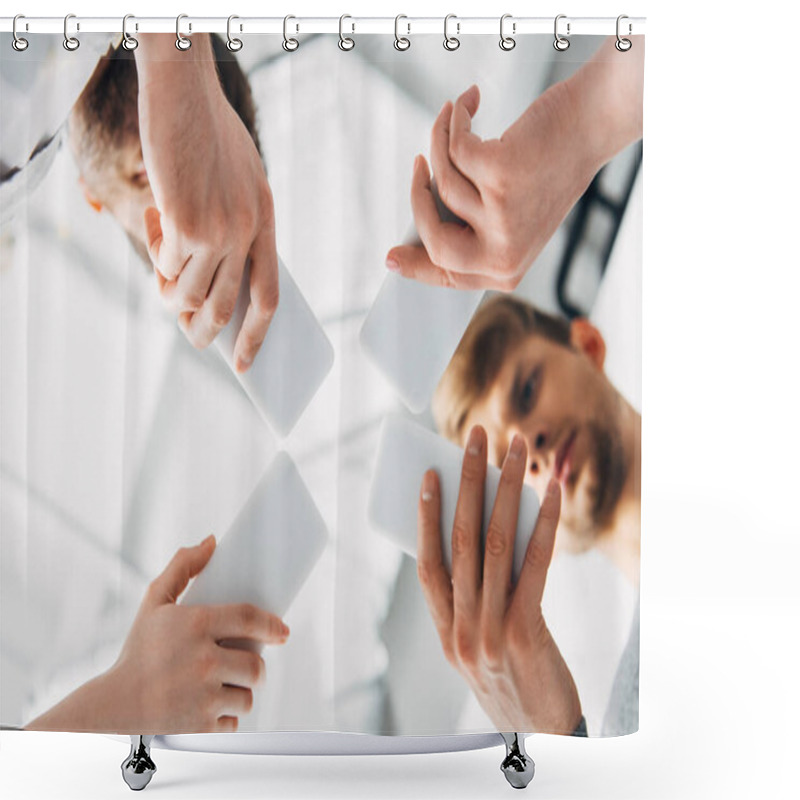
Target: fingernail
(552, 487)
(393, 264)
(243, 363)
(284, 630)
(207, 540)
(475, 441)
(517, 447)
(428, 486)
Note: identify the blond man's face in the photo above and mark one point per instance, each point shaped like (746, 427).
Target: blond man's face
(561, 402)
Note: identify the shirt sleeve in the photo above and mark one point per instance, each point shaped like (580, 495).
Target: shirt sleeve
(622, 713)
(38, 87)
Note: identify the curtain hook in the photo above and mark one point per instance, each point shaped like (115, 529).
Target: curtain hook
(346, 42)
(18, 43)
(560, 43)
(507, 42)
(623, 45)
(451, 42)
(128, 41)
(70, 42)
(401, 42)
(233, 44)
(289, 44)
(181, 42)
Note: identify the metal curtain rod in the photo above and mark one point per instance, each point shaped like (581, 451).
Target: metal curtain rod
(461, 26)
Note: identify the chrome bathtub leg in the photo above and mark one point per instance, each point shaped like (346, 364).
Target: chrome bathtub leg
(517, 766)
(138, 768)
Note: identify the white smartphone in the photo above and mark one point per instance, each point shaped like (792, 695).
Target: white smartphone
(270, 549)
(406, 450)
(412, 329)
(293, 360)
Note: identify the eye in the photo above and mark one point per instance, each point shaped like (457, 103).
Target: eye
(139, 179)
(529, 391)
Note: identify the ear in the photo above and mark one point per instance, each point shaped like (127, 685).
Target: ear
(586, 338)
(89, 197)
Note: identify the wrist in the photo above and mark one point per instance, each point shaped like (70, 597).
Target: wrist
(91, 708)
(561, 711)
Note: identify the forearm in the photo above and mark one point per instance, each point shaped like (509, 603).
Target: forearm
(94, 706)
(161, 65)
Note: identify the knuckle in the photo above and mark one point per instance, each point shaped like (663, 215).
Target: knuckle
(492, 652)
(425, 574)
(446, 279)
(497, 184)
(206, 666)
(153, 589)
(265, 299)
(248, 617)
(435, 252)
(265, 196)
(496, 540)
(445, 186)
(254, 668)
(465, 649)
(200, 620)
(508, 284)
(192, 300)
(205, 234)
(536, 556)
(222, 311)
(516, 637)
(449, 652)
(463, 540)
(507, 261)
(456, 148)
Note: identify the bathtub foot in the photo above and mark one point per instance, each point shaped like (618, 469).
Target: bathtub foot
(138, 768)
(517, 766)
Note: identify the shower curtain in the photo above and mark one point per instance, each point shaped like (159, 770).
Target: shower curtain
(344, 589)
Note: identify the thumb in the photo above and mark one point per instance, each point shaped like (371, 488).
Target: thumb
(167, 254)
(471, 99)
(155, 236)
(185, 564)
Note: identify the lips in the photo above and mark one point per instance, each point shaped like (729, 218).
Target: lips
(563, 462)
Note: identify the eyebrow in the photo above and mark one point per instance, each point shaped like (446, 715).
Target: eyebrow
(515, 390)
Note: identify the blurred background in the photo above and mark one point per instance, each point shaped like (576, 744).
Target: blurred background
(120, 443)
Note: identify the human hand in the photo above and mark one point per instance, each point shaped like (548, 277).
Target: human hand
(514, 192)
(172, 675)
(494, 633)
(213, 204)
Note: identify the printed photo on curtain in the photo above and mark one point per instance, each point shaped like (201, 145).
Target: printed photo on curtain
(320, 383)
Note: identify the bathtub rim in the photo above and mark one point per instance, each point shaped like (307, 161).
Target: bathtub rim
(322, 743)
